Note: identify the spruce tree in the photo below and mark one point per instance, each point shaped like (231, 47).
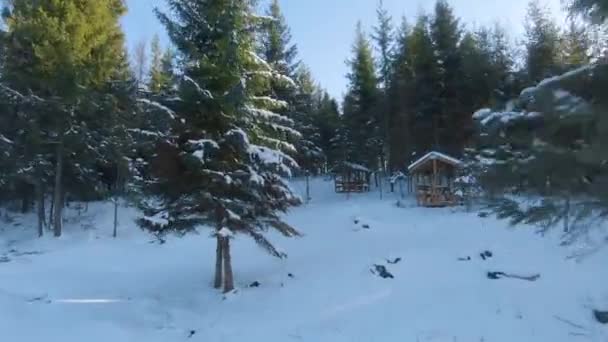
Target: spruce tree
(384, 38)
(546, 148)
(425, 89)
(594, 10)
(363, 123)
(452, 123)
(161, 68)
(328, 123)
(221, 165)
(542, 43)
(282, 56)
(400, 101)
(62, 53)
(575, 46)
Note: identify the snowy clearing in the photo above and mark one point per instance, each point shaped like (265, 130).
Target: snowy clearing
(89, 287)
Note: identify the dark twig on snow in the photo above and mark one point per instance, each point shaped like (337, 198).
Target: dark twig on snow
(570, 323)
(499, 275)
(394, 261)
(382, 272)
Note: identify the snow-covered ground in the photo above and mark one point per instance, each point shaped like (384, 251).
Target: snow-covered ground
(87, 286)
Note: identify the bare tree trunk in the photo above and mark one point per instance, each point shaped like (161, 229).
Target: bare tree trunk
(116, 198)
(380, 179)
(40, 206)
(115, 232)
(228, 276)
(58, 196)
(51, 211)
(217, 282)
(307, 187)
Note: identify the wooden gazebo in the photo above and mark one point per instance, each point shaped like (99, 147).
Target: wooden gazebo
(351, 177)
(433, 179)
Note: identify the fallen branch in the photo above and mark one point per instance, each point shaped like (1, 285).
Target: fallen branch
(499, 275)
(570, 323)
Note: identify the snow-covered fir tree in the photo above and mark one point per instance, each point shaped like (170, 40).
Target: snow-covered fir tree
(223, 162)
(282, 55)
(545, 147)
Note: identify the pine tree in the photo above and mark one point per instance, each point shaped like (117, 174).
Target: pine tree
(220, 166)
(542, 43)
(503, 63)
(361, 117)
(161, 68)
(383, 37)
(594, 10)
(328, 122)
(425, 103)
(575, 46)
(400, 102)
(452, 123)
(546, 147)
(62, 52)
(281, 54)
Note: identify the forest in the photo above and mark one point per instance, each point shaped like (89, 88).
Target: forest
(138, 183)
(213, 130)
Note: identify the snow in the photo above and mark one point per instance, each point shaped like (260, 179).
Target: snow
(433, 156)
(508, 117)
(5, 139)
(158, 106)
(87, 286)
(201, 145)
(159, 219)
(357, 167)
(269, 101)
(272, 157)
(225, 232)
(571, 73)
(482, 114)
(260, 61)
(560, 94)
(268, 115)
(204, 92)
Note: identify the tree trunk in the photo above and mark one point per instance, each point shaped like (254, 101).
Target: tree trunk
(567, 216)
(228, 277)
(51, 211)
(115, 232)
(307, 187)
(217, 282)
(58, 196)
(380, 179)
(26, 201)
(40, 207)
(117, 187)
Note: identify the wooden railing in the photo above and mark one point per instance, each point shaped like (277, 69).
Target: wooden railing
(343, 186)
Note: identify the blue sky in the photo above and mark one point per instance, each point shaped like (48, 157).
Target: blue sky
(324, 29)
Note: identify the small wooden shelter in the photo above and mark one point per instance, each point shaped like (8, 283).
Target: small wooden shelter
(433, 178)
(351, 177)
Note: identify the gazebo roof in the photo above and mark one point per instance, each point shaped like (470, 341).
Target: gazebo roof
(351, 167)
(435, 156)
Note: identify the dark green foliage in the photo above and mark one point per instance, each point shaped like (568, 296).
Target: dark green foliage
(221, 163)
(542, 43)
(546, 149)
(594, 10)
(362, 119)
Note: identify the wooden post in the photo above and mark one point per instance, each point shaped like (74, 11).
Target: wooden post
(434, 195)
